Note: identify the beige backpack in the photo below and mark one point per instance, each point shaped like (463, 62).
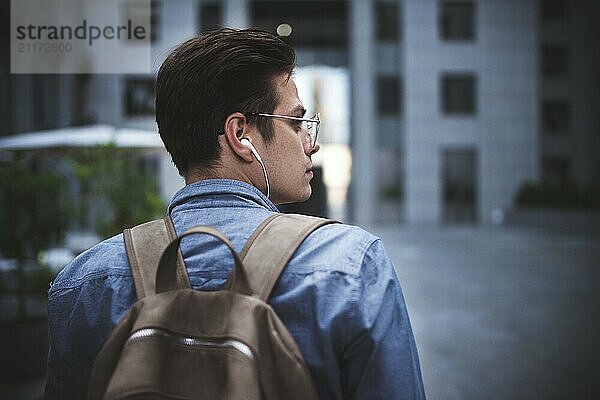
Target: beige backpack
(179, 343)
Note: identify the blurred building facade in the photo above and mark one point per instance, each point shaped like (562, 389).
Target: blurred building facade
(453, 104)
(470, 125)
(569, 79)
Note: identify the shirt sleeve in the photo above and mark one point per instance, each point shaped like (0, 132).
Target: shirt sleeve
(69, 360)
(380, 361)
(85, 302)
(52, 378)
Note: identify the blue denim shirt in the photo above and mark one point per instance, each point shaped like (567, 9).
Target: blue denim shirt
(339, 297)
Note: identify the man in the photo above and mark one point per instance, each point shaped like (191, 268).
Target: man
(229, 114)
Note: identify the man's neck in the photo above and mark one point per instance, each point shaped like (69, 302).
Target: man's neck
(218, 172)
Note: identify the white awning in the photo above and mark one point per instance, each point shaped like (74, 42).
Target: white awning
(83, 136)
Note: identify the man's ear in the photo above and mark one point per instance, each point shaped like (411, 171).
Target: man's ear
(235, 128)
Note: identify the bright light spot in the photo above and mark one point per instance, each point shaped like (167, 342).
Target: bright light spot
(497, 216)
(337, 163)
(284, 30)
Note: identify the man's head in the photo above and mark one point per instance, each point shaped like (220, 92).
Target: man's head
(208, 92)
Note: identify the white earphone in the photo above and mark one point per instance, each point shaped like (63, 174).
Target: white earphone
(246, 142)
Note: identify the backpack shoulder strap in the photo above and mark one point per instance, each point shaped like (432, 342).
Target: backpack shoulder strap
(145, 244)
(272, 245)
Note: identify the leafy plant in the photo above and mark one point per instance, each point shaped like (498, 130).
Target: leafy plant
(34, 212)
(125, 194)
(37, 281)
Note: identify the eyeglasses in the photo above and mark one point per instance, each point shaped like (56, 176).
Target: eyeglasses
(310, 124)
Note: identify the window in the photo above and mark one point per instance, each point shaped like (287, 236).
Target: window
(459, 184)
(210, 16)
(80, 111)
(457, 20)
(154, 20)
(148, 13)
(38, 104)
(554, 9)
(139, 97)
(388, 95)
(555, 60)
(458, 94)
(556, 169)
(6, 95)
(387, 26)
(556, 116)
(316, 24)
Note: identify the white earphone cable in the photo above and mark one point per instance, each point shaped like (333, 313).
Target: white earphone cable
(246, 142)
(266, 176)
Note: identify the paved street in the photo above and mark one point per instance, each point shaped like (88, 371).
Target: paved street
(500, 313)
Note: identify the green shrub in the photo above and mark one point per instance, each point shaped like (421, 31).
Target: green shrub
(391, 192)
(110, 177)
(34, 207)
(34, 215)
(37, 280)
(559, 195)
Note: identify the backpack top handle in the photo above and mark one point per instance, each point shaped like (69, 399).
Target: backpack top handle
(166, 274)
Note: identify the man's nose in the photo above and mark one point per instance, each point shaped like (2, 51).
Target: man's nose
(314, 149)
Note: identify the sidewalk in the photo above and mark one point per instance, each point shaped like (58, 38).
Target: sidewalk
(501, 313)
(497, 312)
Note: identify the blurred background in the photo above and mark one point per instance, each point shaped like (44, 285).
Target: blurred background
(465, 133)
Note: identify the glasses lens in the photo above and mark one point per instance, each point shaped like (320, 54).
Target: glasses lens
(311, 131)
(314, 131)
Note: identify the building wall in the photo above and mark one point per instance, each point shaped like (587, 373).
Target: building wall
(176, 21)
(577, 30)
(31, 102)
(365, 180)
(389, 129)
(404, 149)
(509, 113)
(503, 128)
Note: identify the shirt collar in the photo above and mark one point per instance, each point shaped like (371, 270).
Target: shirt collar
(227, 190)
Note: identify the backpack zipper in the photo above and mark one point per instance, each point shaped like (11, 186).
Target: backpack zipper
(191, 341)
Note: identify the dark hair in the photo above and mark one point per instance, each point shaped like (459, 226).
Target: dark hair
(207, 78)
